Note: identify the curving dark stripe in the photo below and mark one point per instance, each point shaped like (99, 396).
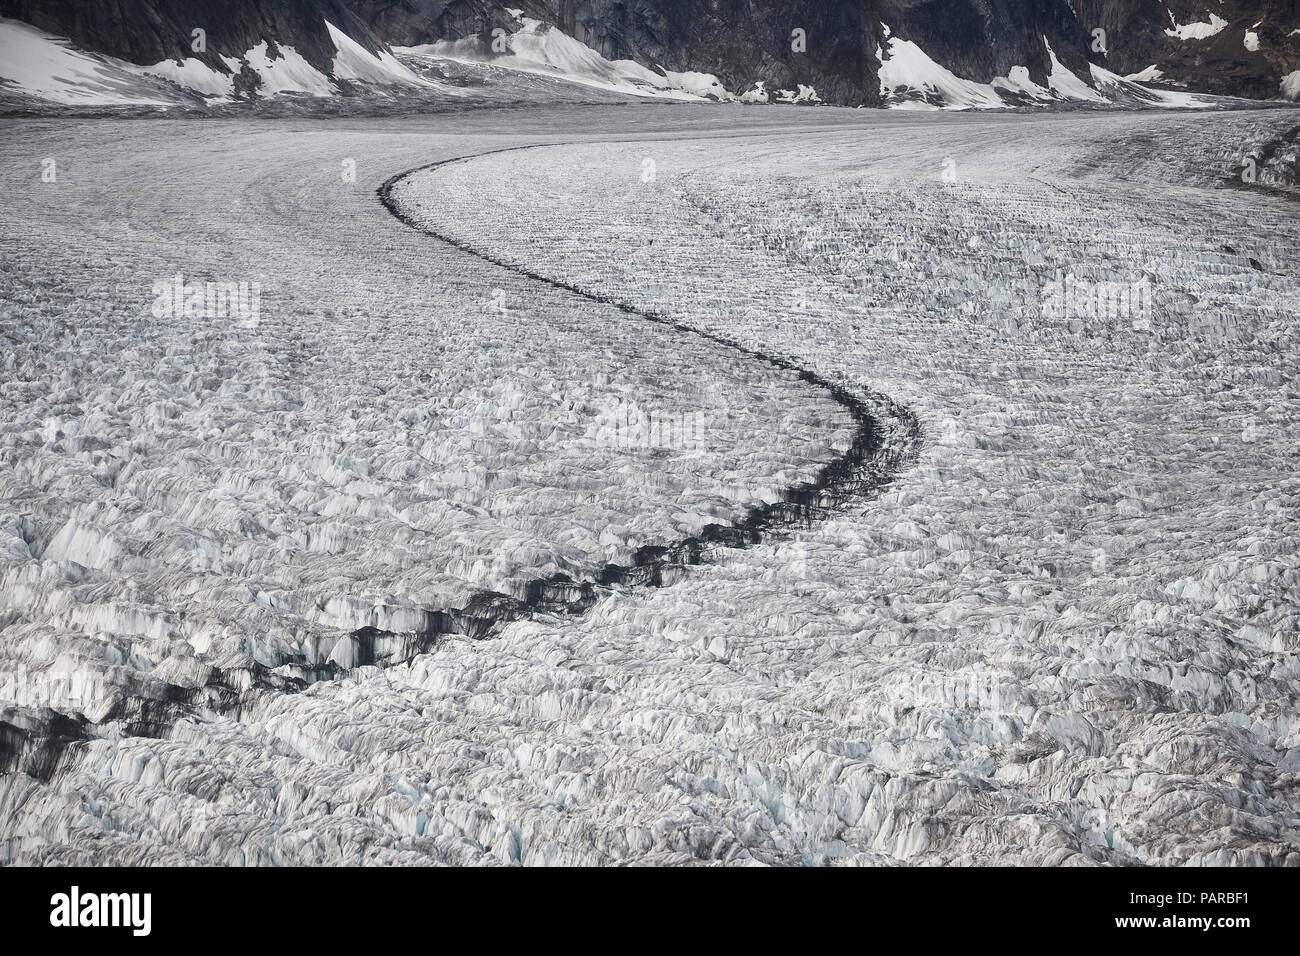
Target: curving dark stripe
(869, 464)
(874, 458)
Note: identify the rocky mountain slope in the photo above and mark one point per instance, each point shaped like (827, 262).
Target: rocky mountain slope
(149, 31)
(744, 42)
(931, 53)
(1236, 47)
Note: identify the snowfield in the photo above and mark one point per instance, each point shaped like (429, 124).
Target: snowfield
(1064, 631)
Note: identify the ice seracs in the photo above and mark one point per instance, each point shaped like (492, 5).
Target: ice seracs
(1065, 632)
(1196, 30)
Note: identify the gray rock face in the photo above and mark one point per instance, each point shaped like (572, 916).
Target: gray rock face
(1138, 35)
(149, 31)
(741, 41)
(748, 41)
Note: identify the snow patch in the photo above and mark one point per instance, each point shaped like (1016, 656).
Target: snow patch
(1150, 75)
(288, 73)
(1120, 88)
(701, 84)
(50, 67)
(355, 62)
(542, 49)
(1017, 81)
(1068, 85)
(1197, 31)
(911, 79)
(1291, 86)
(909, 75)
(805, 94)
(193, 74)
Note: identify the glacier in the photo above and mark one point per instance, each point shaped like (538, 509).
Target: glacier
(1064, 631)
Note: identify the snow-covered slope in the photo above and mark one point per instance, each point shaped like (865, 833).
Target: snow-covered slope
(911, 79)
(910, 65)
(354, 62)
(48, 68)
(775, 45)
(537, 47)
(1229, 47)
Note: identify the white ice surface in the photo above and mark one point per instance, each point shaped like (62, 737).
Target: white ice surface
(1066, 634)
(468, 467)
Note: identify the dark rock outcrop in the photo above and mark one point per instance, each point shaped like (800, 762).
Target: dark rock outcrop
(741, 41)
(149, 31)
(749, 41)
(1137, 38)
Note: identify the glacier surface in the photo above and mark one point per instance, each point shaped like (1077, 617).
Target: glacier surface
(1066, 634)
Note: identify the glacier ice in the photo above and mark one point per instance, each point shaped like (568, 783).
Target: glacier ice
(1067, 634)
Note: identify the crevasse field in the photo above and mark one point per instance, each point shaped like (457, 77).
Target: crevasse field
(1061, 627)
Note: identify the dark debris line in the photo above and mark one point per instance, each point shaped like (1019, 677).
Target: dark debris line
(38, 743)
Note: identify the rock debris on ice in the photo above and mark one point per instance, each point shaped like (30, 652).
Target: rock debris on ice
(1067, 634)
